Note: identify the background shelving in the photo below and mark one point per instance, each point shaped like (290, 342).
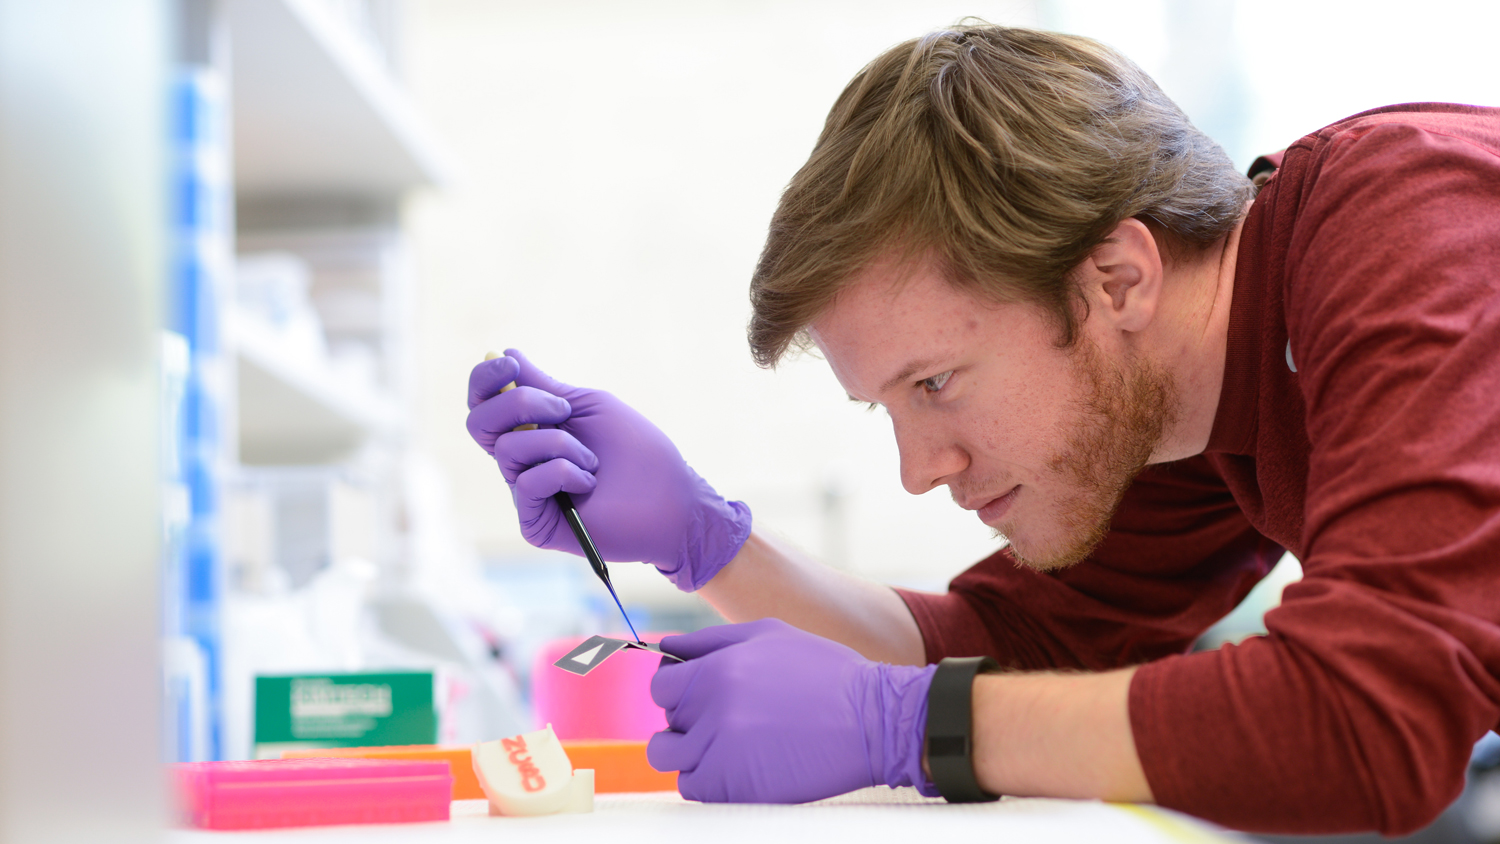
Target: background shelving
(319, 531)
(318, 109)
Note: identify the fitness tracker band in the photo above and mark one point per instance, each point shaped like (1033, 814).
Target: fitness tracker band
(950, 729)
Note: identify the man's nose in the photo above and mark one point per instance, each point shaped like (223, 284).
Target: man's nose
(928, 458)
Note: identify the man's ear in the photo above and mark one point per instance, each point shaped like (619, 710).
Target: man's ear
(1122, 277)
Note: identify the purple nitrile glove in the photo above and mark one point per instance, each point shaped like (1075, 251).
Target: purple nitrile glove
(638, 498)
(765, 713)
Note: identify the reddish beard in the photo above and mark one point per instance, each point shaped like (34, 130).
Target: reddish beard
(1119, 421)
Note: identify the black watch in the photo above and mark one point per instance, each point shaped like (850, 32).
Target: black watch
(950, 729)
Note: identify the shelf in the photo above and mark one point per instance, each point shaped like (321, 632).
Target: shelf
(315, 112)
(295, 408)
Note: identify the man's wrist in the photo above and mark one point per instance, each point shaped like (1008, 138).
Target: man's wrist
(1050, 734)
(715, 541)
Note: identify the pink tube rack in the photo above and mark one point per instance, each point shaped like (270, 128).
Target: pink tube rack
(311, 792)
(612, 702)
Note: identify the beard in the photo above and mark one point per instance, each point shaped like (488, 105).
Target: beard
(1119, 421)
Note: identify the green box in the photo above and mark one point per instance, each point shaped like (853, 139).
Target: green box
(308, 711)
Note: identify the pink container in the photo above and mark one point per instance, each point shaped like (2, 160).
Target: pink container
(311, 792)
(612, 702)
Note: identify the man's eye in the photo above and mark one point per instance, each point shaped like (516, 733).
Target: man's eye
(936, 382)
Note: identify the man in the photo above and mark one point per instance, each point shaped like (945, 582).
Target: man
(1151, 381)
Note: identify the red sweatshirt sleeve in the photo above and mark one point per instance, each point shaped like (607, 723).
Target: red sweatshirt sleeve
(1360, 707)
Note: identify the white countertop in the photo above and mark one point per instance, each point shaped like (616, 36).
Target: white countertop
(874, 814)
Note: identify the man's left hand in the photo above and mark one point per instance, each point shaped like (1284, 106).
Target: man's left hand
(763, 712)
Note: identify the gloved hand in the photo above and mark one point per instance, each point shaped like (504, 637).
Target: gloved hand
(765, 713)
(639, 499)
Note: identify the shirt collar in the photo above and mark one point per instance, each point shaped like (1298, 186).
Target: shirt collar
(1235, 420)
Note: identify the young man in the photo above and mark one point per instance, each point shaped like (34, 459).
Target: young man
(1151, 381)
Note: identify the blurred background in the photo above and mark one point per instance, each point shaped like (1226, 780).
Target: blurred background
(250, 249)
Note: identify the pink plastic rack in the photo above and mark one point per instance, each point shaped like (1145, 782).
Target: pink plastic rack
(311, 792)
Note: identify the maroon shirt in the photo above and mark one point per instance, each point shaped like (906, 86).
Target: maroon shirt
(1371, 262)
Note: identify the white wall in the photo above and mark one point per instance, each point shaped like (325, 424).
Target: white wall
(621, 161)
(1258, 75)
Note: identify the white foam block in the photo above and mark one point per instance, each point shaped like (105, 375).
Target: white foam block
(581, 792)
(530, 774)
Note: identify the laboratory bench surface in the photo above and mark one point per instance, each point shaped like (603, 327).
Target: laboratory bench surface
(872, 814)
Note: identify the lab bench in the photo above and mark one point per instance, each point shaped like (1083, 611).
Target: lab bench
(873, 814)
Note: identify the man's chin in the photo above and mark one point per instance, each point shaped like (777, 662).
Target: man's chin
(1049, 557)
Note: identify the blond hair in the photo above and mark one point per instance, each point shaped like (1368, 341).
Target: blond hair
(1005, 156)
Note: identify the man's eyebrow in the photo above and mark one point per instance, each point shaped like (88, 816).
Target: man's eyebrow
(907, 372)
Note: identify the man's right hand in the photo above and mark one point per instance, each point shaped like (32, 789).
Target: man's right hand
(639, 498)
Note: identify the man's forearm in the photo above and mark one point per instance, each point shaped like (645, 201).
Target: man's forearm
(1057, 735)
(771, 579)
